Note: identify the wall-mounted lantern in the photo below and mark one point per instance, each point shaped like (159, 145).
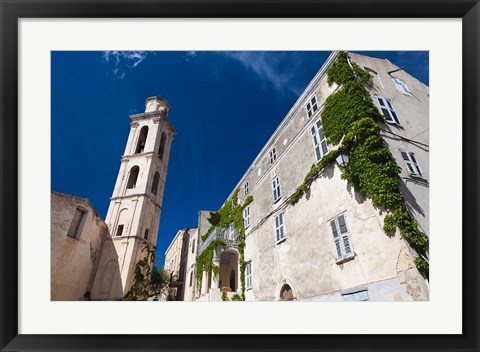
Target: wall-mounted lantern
(342, 158)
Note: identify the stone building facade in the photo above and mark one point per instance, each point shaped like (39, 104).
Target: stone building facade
(78, 234)
(290, 250)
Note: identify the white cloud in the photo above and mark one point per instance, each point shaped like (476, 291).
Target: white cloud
(123, 60)
(270, 67)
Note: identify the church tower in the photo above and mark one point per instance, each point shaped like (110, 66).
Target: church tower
(133, 216)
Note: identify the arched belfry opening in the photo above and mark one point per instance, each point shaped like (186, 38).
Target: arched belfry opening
(161, 148)
(286, 293)
(156, 179)
(132, 179)
(142, 140)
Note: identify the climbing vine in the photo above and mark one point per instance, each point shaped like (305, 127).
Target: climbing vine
(230, 213)
(349, 118)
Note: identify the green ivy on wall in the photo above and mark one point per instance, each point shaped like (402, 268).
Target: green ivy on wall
(350, 118)
(230, 212)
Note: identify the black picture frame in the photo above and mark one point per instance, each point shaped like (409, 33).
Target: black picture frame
(12, 11)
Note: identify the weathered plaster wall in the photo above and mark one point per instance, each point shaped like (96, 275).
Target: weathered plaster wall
(411, 135)
(74, 261)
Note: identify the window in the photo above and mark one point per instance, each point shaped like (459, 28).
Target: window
(411, 163)
(319, 140)
(276, 189)
(231, 232)
(145, 235)
(181, 274)
(132, 179)
(401, 86)
(161, 149)
(279, 228)
(76, 225)
(156, 178)
(191, 278)
(248, 276)
(142, 139)
(356, 296)
(312, 106)
(246, 188)
(273, 155)
(119, 230)
(387, 110)
(341, 238)
(193, 246)
(246, 216)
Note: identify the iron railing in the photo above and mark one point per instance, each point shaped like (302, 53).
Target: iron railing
(230, 238)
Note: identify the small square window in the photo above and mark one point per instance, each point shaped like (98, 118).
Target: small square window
(312, 106)
(273, 155)
(119, 230)
(246, 188)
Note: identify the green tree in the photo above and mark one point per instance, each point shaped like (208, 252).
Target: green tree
(148, 282)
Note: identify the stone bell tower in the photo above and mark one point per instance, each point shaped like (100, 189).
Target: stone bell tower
(133, 216)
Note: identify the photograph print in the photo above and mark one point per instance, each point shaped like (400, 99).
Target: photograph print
(240, 176)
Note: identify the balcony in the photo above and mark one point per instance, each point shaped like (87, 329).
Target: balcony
(230, 238)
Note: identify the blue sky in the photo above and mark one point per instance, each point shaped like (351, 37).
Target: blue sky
(225, 106)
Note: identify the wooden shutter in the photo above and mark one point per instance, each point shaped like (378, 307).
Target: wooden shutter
(336, 239)
(323, 140)
(316, 143)
(348, 251)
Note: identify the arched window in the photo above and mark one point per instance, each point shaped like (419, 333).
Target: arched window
(142, 139)
(156, 178)
(286, 293)
(161, 149)
(132, 179)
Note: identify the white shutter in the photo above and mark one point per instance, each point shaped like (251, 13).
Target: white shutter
(323, 140)
(392, 112)
(411, 163)
(344, 234)
(341, 237)
(387, 110)
(319, 140)
(316, 143)
(249, 274)
(336, 239)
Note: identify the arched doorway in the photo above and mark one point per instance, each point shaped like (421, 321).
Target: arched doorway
(286, 293)
(229, 269)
